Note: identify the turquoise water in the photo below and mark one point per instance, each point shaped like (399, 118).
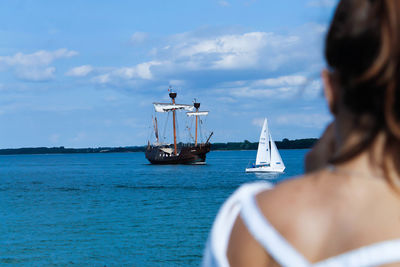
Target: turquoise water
(116, 209)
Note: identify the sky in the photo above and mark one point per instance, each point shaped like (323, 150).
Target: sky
(85, 73)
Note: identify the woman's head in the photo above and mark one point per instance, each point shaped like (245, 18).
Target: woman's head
(363, 52)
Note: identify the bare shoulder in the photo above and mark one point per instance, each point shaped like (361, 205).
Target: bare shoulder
(299, 195)
(288, 207)
(321, 215)
(304, 210)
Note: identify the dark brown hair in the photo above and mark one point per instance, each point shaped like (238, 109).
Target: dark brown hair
(363, 48)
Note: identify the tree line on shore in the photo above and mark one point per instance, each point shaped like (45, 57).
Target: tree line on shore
(245, 145)
(284, 144)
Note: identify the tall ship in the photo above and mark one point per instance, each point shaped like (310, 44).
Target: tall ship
(178, 153)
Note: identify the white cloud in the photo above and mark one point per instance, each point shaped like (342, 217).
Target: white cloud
(140, 71)
(258, 122)
(317, 121)
(313, 88)
(322, 3)
(226, 99)
(224, 3)
(36, 74)
(293, 80)
(80, 71)
(237, 51)
(175, 82)
(139, 37)
(252, 93)
(39, 58)
(211, 58)
(280, 87)
(34, 67)
(102, 79)
(320, 29)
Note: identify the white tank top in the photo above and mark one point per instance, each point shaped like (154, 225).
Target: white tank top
(243, 201)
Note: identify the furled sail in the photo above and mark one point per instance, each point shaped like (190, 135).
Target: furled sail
(263, 152)
(197, 113)
(166, 107)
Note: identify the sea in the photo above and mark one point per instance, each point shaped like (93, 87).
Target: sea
(116, 209)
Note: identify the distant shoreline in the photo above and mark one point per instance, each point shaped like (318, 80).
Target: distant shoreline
(246, 145)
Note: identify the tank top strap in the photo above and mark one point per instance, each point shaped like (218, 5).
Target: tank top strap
(268, 237)
(218, 240)
(286, 255)
(373, 255)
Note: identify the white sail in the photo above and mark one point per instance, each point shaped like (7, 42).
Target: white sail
(268, 158)
(276, 160)
(198, 113)
(166, 107)
(263, 152)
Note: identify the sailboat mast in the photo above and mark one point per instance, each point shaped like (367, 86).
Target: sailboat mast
(172, 96)
(269, 145)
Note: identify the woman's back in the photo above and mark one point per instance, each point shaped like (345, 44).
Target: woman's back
(329, 213)
(350, 198)
(318, 219)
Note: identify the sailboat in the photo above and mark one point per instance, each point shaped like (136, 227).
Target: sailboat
(268, 157)
(190, 153)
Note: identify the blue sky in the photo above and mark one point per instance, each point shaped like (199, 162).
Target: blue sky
(85, 73)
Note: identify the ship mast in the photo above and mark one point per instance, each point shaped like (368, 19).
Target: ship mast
(197, 113)
(172, 96)
(197, 106)
(168, 107)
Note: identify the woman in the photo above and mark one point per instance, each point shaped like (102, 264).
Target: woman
(346, 210)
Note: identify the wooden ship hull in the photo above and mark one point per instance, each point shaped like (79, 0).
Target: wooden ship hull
(187, 154)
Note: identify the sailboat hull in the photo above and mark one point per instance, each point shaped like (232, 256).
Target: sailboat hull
(269, 169)
(187, 154)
